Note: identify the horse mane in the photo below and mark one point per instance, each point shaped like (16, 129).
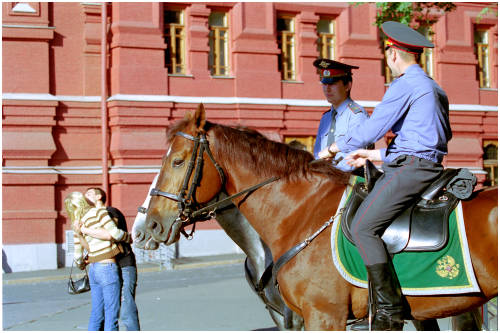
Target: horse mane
(268, 158)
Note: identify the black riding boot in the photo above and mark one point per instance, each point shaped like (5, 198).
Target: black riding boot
(388, 300)
(364, 325)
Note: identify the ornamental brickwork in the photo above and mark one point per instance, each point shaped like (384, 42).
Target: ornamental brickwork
(51, 98)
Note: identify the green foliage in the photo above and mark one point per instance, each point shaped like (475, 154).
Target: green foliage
(490, 9)
(413, 14)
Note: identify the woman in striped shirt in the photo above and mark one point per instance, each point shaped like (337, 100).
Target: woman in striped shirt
(97, 232)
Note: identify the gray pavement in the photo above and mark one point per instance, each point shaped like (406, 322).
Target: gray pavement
(202, 293)
(207, 293)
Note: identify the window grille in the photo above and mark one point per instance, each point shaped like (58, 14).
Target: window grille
(69, 248)
(286, 43)
(301, 142)
(427, 57)
(218, 42)
(490, 162)
(174, 34)
(326, 38)
(482, 50)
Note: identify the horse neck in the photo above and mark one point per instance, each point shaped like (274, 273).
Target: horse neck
(282, 209)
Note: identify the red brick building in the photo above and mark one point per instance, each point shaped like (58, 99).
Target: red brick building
(249, 63)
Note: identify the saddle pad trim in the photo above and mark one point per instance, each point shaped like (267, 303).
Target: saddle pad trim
(360, 280)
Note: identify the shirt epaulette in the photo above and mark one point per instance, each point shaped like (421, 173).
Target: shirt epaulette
(354, 108)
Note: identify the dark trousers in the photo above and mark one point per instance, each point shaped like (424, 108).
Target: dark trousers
(404, 179)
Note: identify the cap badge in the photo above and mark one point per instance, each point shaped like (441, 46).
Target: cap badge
(323, 64)
(326, 73)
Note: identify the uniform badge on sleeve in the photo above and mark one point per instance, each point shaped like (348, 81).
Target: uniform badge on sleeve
(354, 108)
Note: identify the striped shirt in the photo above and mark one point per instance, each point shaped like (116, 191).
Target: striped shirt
(99, 249)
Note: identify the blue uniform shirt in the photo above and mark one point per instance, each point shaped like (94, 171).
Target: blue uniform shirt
(349, 114)
(415, 108)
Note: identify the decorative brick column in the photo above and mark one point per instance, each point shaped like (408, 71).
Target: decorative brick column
(455, 58)
(28, 226)
(358, 45)
(137, 49)
(197, 41)
(137, 128)
(254, 50)
(92, 49)
(307, 51)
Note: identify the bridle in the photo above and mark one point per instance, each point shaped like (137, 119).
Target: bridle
(189, 210)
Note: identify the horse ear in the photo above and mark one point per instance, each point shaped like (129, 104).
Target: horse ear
(200, 117)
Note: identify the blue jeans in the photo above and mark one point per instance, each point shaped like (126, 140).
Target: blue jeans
(105, 295)
(128, 312)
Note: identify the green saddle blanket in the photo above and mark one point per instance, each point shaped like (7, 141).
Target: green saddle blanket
(448, 271)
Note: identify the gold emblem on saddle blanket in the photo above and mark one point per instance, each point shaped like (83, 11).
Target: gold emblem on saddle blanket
(447, 268)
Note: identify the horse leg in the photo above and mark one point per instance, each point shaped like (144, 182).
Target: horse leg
(468, 321)
(279, 320)
(259, 258)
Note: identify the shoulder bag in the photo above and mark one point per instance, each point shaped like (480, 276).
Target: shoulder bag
(79, 286)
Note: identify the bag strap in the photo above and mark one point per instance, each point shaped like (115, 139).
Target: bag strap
(73, 263)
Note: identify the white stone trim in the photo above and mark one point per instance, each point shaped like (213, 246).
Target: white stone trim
(122, 169)
(23, 7)
(473, 107)
(218, 100)
(29, 257)
(28, 96)
(26, 26)
(81, 170)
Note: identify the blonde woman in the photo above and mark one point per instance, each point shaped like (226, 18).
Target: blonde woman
(95, 230)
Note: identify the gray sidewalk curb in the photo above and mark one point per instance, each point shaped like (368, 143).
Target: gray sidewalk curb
(63, 273)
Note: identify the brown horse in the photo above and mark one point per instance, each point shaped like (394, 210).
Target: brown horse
(286, 211)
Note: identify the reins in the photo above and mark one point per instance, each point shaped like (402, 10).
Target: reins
(288, 255)
(189, 213)
(187, 203)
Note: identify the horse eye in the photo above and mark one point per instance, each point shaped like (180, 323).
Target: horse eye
(177, 163)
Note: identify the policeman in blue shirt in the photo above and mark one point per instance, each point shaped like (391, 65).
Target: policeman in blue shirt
(415, 108)
(336, 79)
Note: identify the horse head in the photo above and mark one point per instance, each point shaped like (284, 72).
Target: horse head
(189, 177)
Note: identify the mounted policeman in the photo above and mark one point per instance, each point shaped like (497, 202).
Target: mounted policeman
(416, 109)
(344, 113)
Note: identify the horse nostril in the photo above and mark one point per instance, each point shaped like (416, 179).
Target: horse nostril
(156, 227)
(151, 245)
(138, 236)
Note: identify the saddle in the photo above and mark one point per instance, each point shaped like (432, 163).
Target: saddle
(422, 226)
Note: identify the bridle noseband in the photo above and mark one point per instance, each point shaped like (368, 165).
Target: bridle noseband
(185, 199)
(190, 211)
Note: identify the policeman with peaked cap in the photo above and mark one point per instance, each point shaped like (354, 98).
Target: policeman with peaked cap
(336, 79)
(415, 108)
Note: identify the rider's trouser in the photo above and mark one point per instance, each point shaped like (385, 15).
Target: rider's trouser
(404, 179)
